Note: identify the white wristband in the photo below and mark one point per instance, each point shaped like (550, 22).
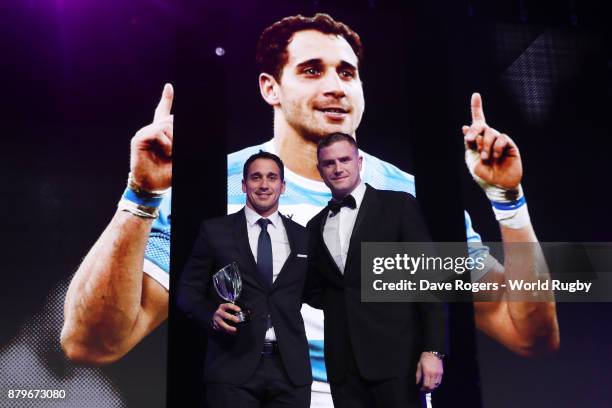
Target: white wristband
(515, 219)
(509, 205)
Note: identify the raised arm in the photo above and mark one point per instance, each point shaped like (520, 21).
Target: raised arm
(111, 304)
(525, 327)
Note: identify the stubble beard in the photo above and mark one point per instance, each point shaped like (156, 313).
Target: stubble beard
(313, 129)
(313, 132)
(260, 209)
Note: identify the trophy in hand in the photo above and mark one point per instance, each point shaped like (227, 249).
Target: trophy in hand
(228, 284)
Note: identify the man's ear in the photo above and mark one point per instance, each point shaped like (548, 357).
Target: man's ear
(269, 89)
(243, 187)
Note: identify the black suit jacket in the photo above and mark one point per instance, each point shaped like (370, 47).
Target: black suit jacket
(385, 339)
(231, 358)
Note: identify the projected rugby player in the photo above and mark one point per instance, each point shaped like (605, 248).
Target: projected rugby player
(310, 77)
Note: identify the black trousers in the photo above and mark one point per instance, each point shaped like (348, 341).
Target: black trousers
(269, 387)
(356, 392)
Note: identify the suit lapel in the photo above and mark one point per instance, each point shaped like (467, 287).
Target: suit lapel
(291, 238)
(241, 238)
(330, 258)
(289, 229)
(368, 206)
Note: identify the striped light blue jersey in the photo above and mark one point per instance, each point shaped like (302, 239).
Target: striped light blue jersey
(157, 253)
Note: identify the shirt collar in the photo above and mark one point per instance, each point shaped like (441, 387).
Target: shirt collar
(358, 193)
(252, 217)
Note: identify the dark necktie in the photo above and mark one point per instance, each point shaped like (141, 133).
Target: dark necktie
(335, 205)
(264, 252)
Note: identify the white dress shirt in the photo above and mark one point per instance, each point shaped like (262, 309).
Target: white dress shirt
(280, 245)
(339, 228)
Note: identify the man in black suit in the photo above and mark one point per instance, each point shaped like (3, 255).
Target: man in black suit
(263, 362)
(376, 353)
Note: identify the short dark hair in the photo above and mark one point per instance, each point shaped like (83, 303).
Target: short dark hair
(335, 138)
(271, 55)
(263, 155)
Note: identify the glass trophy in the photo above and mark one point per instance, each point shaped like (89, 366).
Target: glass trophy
(228, 284)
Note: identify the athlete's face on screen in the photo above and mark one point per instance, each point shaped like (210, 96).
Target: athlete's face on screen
(339, 165)
(320, 90)
(263, 186)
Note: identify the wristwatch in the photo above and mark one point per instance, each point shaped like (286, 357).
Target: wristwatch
(438, 354)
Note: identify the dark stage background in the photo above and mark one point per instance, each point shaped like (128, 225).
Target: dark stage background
(81, 77)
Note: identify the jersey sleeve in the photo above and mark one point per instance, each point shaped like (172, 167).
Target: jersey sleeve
(476, 250)
(157, 253)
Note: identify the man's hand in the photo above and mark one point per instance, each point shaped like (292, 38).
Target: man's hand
(491, 156)
(222, 314)
(151, 147)
(429, 370)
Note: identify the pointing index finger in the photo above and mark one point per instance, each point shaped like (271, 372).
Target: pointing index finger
(165, 103)
(476, 107)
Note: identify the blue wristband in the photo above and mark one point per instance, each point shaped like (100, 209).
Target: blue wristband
(508, 206)
(145, 201)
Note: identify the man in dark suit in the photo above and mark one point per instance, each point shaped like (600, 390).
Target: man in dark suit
(376, 353)
(263, 362)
